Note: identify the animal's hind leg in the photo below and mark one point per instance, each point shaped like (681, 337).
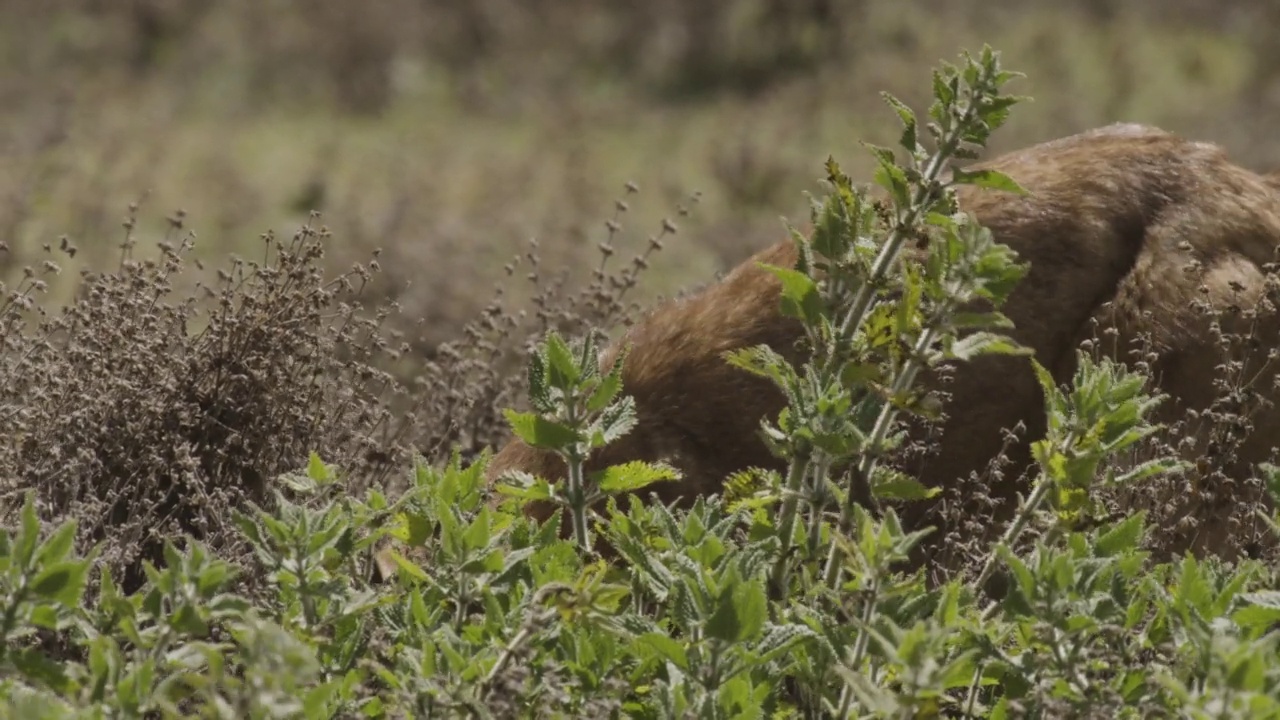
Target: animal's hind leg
(1194, 324)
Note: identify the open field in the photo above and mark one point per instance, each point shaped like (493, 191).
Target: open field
(450, 157)
(243, 445)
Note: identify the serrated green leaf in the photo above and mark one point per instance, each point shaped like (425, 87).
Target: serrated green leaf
(539, 432)
(478, 533)
(875, 699)
(900, 486)
(1271, 477)
(187, 620)
(740, 613)
(832, 233)
(617, 420)
(943, 87)
(317, 701)
(412, 528)
(44, 616)
(1124, 536)
(530, 488)
(404, 564)
(1193, 588)
(734, 694)
(563, 371)
(40, 669)
(1246, 674)
(29, 536)
(908, 139)
(317, 470)
(588, 357)
(135, 687)
(1152, 468)
(1262, 611)
(610, 385)
(57, 545)
(987, 178)
(227, 606)
(892, 178)
(800, 297)
(665, 647)
(985, 343)
(61, 582)
(213, 578)
(248, 528)
(763, 361)
(1256, 616)
(1025, 580)
(632, 476)
(539, 391)
(979, 321)
(779, 640)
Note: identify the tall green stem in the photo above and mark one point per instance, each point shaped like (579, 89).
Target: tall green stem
(577, 482)
(866, 463)
(796, 471)
(927, 192)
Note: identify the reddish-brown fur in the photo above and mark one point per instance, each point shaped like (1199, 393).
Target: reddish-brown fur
(1125, 224)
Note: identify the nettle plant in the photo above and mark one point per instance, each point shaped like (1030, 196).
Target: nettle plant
(875, 315)
(861, 637)
(716, 610)
(577, 409)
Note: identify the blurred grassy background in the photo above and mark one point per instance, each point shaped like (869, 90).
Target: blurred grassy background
(449, 132)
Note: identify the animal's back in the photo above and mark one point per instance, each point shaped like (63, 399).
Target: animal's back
(1112, 216)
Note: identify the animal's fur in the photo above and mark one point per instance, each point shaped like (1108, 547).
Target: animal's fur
(1126, 225)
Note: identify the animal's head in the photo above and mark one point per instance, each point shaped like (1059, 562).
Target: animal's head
(694, 411)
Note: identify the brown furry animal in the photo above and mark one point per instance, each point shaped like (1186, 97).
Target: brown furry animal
(1124, 225)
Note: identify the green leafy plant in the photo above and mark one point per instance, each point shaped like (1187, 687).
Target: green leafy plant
(578, 408)
(788, 603)
(875, 315)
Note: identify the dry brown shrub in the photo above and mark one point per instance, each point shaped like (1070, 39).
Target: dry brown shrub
(152, 404)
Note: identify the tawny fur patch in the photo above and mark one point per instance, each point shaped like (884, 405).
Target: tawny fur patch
(1124, 225)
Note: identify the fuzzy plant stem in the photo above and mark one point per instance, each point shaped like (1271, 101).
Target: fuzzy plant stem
(860, 645)
(928, 189)
(796, 471)
(577, 501)
(926, 193)
(906, 377)
(577, 490)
